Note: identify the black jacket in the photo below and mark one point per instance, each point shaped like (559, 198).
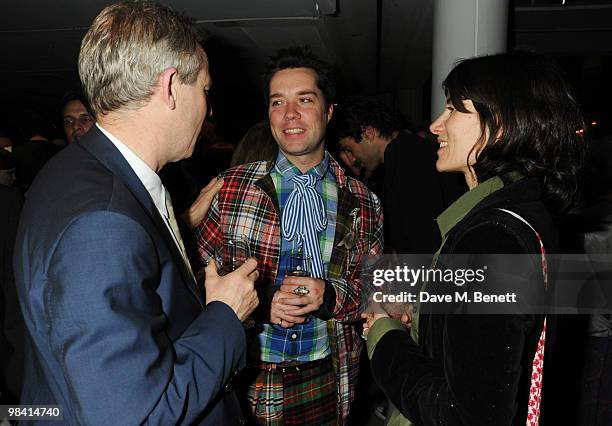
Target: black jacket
(30, 157)
(415, 194)
(473, 369)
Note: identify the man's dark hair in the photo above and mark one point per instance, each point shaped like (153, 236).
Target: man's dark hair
(302, 57)
(74, 96)
(359, 112)
(532, 116)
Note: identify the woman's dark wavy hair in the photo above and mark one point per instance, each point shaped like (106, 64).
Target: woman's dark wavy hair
(530, 111)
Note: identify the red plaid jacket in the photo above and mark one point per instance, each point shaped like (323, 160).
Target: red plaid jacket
(247, 205)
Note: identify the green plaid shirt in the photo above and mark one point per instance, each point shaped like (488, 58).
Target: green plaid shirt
(308, 341)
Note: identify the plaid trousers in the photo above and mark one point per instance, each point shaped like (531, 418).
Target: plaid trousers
(292, 394)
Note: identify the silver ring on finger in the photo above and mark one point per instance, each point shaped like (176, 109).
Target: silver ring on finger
(301, 290)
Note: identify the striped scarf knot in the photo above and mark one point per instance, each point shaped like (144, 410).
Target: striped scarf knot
(304, 217)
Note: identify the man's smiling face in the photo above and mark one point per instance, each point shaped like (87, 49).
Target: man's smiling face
(298, 115)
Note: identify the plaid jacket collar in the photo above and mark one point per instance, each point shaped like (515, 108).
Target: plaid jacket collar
(263, 180)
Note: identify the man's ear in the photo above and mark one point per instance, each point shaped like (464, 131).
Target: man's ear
(168, 83)
(330, 112)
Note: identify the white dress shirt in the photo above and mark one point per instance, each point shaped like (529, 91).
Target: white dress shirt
(147, 176)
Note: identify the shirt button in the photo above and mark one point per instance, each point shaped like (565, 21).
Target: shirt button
(294, 336)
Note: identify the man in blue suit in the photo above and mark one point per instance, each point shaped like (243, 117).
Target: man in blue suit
(118, 332)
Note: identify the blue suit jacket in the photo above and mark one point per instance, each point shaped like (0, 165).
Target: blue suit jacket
(118, 332)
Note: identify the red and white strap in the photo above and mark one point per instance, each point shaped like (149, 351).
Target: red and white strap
(537, 368)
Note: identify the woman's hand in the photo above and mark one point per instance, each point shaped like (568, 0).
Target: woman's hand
(195, 214)
(377, 310)
(371, 318)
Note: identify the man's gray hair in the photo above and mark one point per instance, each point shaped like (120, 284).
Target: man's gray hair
(126, 49)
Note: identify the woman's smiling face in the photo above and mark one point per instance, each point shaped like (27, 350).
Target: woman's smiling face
(458, 132)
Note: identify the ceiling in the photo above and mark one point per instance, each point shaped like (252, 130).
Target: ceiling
(379, 46)
(40, 51)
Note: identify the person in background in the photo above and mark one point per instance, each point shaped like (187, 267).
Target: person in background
(76, 116)
(7, 168)
(257, 144)
(118, 330)
(35, 149)
(510, 126)
(374, 137)
(415, 193)
(5, 141)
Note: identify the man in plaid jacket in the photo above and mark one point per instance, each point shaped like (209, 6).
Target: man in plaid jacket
(305, 355)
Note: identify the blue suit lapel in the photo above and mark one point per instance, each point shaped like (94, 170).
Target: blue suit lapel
(98, 145)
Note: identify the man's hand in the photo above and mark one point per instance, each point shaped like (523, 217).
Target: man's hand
(307, 303)
(236, 289)
(278, 311)
(291, 308)
(195, 214)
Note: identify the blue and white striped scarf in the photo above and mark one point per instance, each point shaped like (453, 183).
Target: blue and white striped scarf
(304, 217)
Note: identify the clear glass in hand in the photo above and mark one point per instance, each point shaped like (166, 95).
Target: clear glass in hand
(300, 265)
(234, 252)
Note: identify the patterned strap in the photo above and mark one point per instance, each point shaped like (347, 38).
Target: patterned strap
(537, 369)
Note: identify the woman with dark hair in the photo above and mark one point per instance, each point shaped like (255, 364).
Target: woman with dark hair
(510, 126)
(256, 145)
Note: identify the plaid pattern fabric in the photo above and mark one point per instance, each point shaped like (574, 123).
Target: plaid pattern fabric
(276, 343)
(247, 205)
(264, 396)
(297, 398)
(310, 397)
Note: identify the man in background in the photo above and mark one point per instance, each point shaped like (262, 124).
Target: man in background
(5, 141)
(415, 193)
(34, 150)
(76, 117)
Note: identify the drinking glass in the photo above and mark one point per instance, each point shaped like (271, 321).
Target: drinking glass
(234, 252)
(300, 265)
